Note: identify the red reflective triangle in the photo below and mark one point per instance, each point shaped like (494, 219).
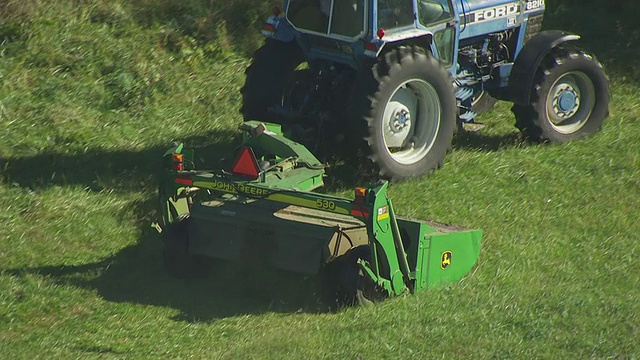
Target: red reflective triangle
(246, 164)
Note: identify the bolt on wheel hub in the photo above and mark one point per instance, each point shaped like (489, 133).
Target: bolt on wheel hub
(401, 119)
(566, 101)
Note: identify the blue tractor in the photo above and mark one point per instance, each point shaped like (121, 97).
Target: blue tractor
(394, 80)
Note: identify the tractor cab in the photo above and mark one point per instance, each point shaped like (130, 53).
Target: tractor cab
(340, 19)
(349, 19)
(343, 31)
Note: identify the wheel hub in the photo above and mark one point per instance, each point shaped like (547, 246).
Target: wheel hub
(570, 102)
(566, 101)
(412, 120)
(401, 119)
(398, 119)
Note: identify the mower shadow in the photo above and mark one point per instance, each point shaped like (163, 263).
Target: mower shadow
(136, 275)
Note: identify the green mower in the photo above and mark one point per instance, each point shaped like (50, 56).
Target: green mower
(265, 200)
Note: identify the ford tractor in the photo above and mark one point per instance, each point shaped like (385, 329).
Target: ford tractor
(393, 80)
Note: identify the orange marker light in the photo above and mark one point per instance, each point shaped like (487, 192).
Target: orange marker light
(177, 162)
(178, 158)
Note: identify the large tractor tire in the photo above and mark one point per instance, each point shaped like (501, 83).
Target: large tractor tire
(267, 79)
(570, 98)
(410, 111)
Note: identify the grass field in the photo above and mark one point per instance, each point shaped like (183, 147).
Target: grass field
(91, 92)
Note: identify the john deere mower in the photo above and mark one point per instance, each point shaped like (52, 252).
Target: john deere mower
(264, 200)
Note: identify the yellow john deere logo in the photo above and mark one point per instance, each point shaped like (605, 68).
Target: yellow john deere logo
(445, 260)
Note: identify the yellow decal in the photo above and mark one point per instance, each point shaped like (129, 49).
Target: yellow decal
(318, 204)
(383, 213)
(231, 188)
(325, 204)
(216, 185)
(445, 260)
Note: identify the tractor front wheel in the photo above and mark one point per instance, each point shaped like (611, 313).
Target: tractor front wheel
(570, 98)
(410, 113)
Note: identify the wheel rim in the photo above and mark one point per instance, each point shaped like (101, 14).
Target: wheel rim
(478, 94)
(411, 121)
(570, 102)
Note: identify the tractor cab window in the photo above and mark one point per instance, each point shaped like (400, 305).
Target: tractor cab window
(433, 11)
(394, 13)
(331, 17)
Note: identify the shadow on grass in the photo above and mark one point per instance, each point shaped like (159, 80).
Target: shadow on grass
(136, 275)
(228, 24)
(477, 141)
(99, 170)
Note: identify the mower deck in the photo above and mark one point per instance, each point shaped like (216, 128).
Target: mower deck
(262, 212)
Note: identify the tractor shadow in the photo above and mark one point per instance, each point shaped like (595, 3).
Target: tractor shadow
(477, 141)
(227, 24)
(97, 170)
(609, 31)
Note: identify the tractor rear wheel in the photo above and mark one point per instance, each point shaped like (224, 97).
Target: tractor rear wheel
(267, 79)
(409, 108)
(570, 98)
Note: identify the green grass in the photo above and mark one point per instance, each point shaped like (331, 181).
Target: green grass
(92, 91)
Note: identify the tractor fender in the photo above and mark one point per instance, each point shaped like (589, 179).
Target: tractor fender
(530, 57)
(420, 38)
(278, 28)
